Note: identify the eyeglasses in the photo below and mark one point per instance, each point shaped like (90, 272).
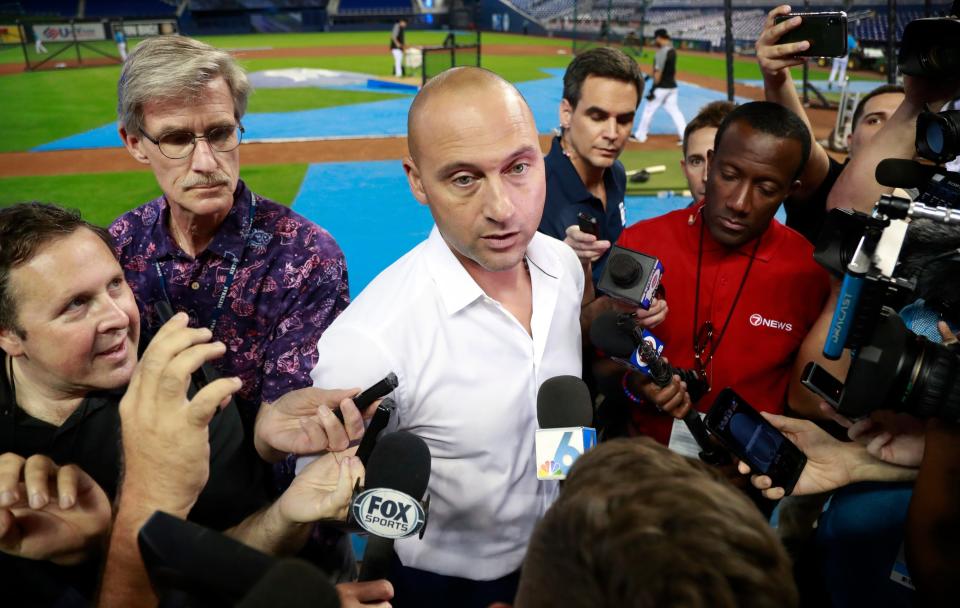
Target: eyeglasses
(180, 144)
(703, 351)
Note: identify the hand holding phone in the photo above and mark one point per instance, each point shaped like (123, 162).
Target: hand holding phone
(826, 33)
(755, 441)
(588, 224)
(203, 376)
(365, 398)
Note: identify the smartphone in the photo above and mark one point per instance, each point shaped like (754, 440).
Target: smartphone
(365, 398)
(822, 382)
(588, 224)
(203, 376)
(743, 431)
(379, 422)
(827, 33)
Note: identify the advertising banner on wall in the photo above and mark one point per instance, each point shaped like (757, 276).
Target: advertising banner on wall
(67, 32)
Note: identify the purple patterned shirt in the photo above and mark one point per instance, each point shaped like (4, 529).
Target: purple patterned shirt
(290, 284)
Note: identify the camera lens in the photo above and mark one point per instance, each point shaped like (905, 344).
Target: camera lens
(624, 270)
(935, 137)
(938, 135)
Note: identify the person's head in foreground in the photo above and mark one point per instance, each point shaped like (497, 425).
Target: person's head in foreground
(637, 525)
(68, 318)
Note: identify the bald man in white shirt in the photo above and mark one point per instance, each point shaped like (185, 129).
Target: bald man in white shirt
(472, 321)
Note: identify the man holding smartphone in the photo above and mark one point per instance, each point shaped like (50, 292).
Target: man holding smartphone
(585, 181)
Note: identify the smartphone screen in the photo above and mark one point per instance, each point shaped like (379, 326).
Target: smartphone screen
(754, 440)
(822, 383)
(826, 32)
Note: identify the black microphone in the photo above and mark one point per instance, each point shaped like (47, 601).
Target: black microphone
(292, 583)
(617, 335)
(400, 463)
(903, 173)
(564, 401)
(564, 414)
(190, 564)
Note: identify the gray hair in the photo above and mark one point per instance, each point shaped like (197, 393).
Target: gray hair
(165, 68)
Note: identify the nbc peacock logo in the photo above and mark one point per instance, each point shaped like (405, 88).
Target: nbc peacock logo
(548, 469)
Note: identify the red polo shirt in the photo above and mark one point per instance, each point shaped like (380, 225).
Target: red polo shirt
(782, 297)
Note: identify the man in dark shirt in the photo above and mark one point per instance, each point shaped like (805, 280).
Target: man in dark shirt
(664, 90)
(601, 91)
(806, 208)
(69, 328)
(398, 45)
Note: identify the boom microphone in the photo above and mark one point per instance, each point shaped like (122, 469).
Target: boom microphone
(564, 413)
(389, 507)
(903, 173)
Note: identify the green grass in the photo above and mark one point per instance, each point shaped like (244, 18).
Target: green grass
(14, 53)
(671, 179)
(38, 107)
(743, 69)
(102, 197)
(308, 98)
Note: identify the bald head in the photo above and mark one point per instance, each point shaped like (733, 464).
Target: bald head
(453, 89)
(475, 161)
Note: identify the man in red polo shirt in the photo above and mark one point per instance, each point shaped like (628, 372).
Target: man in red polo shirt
(743, 288)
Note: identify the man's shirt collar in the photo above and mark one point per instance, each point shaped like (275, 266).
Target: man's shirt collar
(229, 240)
(457, 288)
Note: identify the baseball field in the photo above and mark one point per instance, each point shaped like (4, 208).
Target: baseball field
(325, 130)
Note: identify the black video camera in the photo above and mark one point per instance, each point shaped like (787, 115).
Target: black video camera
(930, 48)
(892, 367)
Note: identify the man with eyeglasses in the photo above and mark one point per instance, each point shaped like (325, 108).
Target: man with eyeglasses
(263, 279)
(744, 289)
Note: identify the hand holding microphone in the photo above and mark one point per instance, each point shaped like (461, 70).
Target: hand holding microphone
(670, 389)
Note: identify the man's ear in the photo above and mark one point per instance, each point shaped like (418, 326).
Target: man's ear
(794, 188)
(133, 143)
(566, 113)
(10, 342)
(414, 179)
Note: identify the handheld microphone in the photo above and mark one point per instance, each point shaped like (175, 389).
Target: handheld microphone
(564, 414)
(638, 349)
(390, 506)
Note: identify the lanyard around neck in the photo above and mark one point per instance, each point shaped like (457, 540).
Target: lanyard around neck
(714, 345)
(218, 309)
